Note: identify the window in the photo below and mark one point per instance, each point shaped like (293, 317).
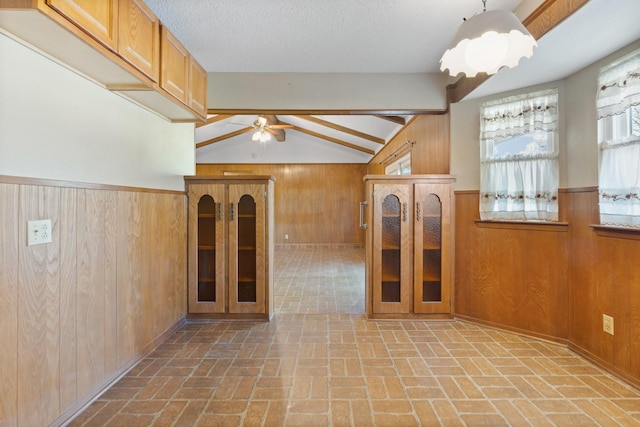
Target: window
(618, 105)
(402, 166)
(519, 158)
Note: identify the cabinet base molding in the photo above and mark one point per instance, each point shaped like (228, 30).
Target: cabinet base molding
(411, 316)
(250, 317)
(84, 402)
(319, 245)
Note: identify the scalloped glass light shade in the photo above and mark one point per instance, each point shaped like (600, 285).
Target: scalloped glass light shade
(487, 42)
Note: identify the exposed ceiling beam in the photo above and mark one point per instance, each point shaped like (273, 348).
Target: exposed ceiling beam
(330, 139)
(214, 119)
(343, 129)
(223, 137)
(399, 120)
(549, 14)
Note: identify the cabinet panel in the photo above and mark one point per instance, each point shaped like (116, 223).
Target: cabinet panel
(246, 248)
(206, 249)
(409, 246)
(139, 37)
(174, 65)
(97, 18)
(432, 241)
(230, 247)
(391, 249)
(197, 87)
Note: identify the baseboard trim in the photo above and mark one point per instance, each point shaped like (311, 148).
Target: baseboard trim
(513, 330)
(605, 366)
(585, 354)
(82, 403)
(319, 245)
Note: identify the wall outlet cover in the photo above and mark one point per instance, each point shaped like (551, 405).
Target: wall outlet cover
(39, 232)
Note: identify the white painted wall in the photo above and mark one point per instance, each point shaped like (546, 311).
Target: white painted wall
(309, 91)
(55, 124)
(578, 130)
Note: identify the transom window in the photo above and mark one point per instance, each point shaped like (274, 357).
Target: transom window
(402, 166)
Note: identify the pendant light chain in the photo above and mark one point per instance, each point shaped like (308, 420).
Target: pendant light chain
(484, 5)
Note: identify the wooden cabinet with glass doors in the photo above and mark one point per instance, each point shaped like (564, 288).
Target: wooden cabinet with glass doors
(230, 247)
(409, 246)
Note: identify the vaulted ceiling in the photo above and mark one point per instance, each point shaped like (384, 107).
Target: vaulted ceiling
(361, 36)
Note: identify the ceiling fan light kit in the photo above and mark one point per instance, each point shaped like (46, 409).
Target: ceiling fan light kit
(487, 42)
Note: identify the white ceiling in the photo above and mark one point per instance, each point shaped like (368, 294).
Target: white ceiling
(366, 36)
(318, 36)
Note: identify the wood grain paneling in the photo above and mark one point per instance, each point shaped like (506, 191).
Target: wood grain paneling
(60, 305)
(430, 153)
(9, 210)
(129, 270)
(39, 311)
(68, 297)
(314, 203)
(553, 284)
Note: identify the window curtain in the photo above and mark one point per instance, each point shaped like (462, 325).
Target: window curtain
(618, 105)
(521, 186)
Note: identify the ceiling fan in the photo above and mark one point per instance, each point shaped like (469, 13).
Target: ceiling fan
(266, 126)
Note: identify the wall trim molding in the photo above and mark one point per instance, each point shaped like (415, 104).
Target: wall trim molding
(22, 180)
(500, 327)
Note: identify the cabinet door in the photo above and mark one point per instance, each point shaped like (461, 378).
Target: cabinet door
(197, 88)
(247, 250)
(174, 59)
(97, 18)
(139, 37)
(207, 248)
(432, 246)
(391, 263)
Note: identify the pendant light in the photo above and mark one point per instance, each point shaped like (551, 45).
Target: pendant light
(487, 42)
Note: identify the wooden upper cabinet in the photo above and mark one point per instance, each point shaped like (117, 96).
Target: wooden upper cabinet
(98, 18)
(139, 37)
(174, 66)
(197, 87)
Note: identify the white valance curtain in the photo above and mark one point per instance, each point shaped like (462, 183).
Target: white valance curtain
(523, 185)
(618, 105)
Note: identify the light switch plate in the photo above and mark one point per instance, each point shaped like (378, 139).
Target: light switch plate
(38, 232)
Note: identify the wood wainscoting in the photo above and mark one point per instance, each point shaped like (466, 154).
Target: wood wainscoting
(553, 282)
(78, 312)
(314, 203)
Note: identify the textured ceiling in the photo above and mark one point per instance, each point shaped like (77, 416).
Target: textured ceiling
(366, 36)
(319, 36)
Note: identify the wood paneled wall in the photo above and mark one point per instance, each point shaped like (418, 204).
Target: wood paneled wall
(552, 282)
(314, 203)
(430, 153)
(77, 312)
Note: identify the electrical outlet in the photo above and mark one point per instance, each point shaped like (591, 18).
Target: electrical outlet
(286, 237)
(607, 324)
(38, 232)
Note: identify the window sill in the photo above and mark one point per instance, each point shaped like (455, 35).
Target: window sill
(616, 232)
(553, 226)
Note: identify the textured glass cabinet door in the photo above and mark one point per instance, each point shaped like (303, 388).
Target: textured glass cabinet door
(246, 248)
(206, 249)
(391, 278)
(431, 239)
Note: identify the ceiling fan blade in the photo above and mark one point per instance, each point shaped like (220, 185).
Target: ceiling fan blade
(280, 126)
